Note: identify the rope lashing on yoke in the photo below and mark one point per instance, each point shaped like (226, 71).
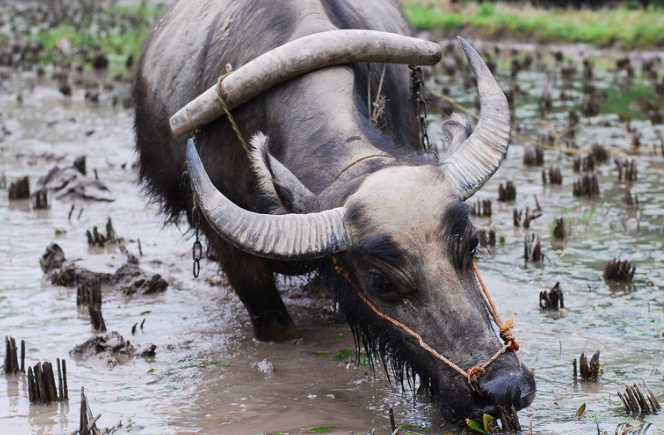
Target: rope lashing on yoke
(222, 102)
(474, 373)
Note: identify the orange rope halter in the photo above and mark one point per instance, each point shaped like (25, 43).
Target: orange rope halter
(473, 374)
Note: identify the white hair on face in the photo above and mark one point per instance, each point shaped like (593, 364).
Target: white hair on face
(258, 156)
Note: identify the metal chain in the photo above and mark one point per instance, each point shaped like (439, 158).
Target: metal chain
(197, 248)
(417, 88)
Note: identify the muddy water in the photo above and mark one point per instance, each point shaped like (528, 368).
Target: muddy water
(209, 376)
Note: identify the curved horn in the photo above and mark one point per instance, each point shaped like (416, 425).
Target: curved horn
(481, 154)
(298, 57)
(281, 237)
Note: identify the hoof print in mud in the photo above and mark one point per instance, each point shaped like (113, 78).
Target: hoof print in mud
(112, 347)
(72, 184)
(129, 279)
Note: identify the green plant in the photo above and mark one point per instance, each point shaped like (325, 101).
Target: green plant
(486, 9)
(481, 427)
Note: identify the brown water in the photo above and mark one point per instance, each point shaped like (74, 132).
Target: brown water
(209, 376)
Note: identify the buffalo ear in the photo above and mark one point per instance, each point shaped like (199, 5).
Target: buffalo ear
(276, 181)
(455, 131)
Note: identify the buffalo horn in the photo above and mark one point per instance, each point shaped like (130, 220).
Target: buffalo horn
(281, 237)
(480, 155)
(298, 57)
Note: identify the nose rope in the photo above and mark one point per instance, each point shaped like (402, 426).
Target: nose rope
(504, 327)
(474, 373)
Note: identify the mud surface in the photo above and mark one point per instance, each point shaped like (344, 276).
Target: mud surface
(209, 376)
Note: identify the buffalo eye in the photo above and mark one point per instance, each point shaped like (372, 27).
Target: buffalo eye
(379, 282)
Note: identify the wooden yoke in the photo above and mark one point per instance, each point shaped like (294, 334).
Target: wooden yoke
(299, 57)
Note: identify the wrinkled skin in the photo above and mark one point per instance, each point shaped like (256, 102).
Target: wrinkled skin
(413, 240)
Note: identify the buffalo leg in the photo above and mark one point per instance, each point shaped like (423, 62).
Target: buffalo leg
(254, 283)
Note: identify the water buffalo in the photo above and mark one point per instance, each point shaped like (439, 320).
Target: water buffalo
(321, 186)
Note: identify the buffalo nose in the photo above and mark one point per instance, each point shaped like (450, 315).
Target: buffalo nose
(508, 384)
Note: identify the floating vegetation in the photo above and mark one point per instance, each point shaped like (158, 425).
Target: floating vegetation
(586, 186)
(552, 299)
(19, 189)
(41, 383)
(589, 371)
(506, 192)
(619, 271)
(482, 208)
(635, 402)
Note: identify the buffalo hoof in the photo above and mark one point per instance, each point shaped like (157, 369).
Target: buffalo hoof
(274, 326)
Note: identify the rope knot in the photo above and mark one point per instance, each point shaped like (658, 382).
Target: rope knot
(507, 336)
(474, 375)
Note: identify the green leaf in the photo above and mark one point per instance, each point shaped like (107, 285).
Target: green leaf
(486, 419)
(322, 429)
(475, 425)
(320, 353)
(151, 371)
(364, 362)
(343, 354)
(581, 410)
(145, 312)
